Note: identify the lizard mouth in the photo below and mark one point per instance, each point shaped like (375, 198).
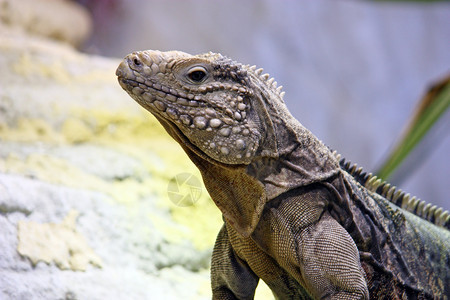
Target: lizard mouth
(185, 109)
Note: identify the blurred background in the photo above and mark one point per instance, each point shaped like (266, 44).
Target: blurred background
(353, 71)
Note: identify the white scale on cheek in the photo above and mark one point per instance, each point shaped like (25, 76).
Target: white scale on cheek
(214, 123)
(225, 131)
(200, 122)
(236, 129)
(224, 150)
(240, 144)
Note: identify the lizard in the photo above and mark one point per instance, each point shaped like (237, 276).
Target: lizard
(296, 215)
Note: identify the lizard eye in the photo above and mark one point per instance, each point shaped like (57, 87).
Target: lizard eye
(197, 74)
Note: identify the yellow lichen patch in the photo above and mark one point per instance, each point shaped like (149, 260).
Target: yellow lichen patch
(203, 220)
(30, 130)
(53, 170)
(28, 66)
(76, 131)
(200, 223)
(128, 192)
(59, 243)
(120, 125)
(172, 231)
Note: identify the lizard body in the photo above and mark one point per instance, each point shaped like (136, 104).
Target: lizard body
(309, 225)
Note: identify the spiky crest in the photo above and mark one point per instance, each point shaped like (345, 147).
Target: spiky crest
(420, 208)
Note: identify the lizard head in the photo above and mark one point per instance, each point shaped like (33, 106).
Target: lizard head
(207, 101)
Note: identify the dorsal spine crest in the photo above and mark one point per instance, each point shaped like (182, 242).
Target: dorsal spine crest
(420, 208)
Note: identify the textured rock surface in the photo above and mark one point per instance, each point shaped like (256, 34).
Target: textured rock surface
(56, 243)
(84, 211)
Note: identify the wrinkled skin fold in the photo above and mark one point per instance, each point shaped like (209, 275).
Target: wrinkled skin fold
(293, 216)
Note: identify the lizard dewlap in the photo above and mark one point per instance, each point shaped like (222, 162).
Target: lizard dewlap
(308, 224)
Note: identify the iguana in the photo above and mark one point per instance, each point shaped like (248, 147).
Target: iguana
(296, 216)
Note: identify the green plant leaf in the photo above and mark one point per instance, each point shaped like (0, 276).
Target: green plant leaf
(431, 107)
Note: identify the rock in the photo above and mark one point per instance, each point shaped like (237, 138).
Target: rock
(60, 243)
(84, 171)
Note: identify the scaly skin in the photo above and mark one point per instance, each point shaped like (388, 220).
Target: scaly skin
(293, 216)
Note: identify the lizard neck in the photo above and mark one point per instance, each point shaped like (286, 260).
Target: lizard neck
(300, 158)
(239, 196)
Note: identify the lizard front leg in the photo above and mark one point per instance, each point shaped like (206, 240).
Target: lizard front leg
(329, 261)
(313, 247)
(231, 277)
